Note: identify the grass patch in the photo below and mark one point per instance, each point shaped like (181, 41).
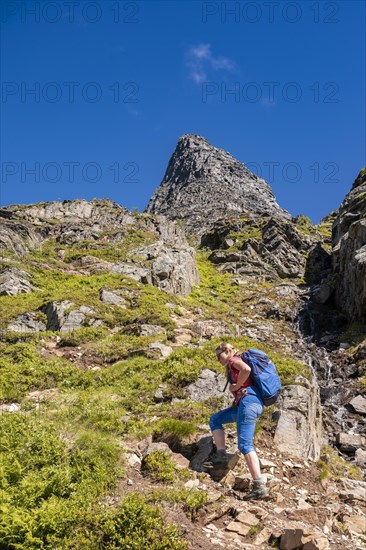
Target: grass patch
(22, 370)
(334, 467)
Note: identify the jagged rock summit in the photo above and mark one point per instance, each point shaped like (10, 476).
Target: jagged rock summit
(203, 184)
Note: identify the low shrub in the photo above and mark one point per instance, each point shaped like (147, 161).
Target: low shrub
(160, 466)
(138, 524)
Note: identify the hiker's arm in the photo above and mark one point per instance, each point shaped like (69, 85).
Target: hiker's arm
(244, 373)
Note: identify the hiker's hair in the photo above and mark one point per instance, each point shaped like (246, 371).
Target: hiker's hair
(225, 346)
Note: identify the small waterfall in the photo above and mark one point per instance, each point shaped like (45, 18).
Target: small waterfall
(318, 328)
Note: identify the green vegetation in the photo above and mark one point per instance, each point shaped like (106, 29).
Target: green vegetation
(334, 467)
(147, 303)
(137, 524)
(193, 500)
(160, 466)
(22, 369)
(173, 426)
(354, 334)
(50, 483)
(63, 452)
(114, 251)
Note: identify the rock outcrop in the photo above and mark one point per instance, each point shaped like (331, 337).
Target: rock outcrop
(172, 268)
(168, 262)
(203, 184)
(274, 248)
(64, 317)
(299, 427)
(14, 281)
(349, 251)
(27, 322)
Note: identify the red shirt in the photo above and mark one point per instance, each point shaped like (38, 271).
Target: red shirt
(234, 377)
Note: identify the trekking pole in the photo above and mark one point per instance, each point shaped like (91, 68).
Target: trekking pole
(228, 379)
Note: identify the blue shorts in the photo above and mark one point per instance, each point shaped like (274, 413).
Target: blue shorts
(245, 415)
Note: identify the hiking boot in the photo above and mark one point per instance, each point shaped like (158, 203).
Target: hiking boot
(259, 491)
(218, 460)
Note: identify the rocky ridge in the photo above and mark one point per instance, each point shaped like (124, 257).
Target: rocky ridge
(168, 263)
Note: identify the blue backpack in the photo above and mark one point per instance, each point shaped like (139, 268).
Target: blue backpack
(264, 375)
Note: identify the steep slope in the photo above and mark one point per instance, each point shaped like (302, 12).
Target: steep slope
(349, 251)
(108, 379)
(203, 184)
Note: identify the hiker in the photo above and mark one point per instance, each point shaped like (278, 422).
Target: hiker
(247, 407)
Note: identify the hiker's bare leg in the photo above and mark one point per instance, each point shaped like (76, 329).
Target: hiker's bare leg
(252, 461)
(219, 439)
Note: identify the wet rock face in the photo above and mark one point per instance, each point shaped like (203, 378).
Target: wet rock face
(203, 184)
(349, 251)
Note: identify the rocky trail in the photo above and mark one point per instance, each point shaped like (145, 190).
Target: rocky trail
(301, 511)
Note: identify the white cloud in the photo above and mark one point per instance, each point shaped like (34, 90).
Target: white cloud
(203, 51)
(200, 60)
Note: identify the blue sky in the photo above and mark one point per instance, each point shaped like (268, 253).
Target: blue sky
(280, 85)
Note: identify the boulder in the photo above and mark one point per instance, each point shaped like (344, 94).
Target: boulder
(112, 298)
(296, 538)
(360, 458)
(316, 542)
(204, 449)
(140, 274)
(350, 442)
(14, 281)
(238, 527)
(208, 385)
(151, 330)
(173, 268)
(321, 293)
(159, 394)
(351, 489)
(160, 350)
(358, 403)
(93, 264)
(283, 247)
(9, 407)
(299, 427)
(356, 524)
(213, 328)
(61, 317)
(16, 235)
(27, 322)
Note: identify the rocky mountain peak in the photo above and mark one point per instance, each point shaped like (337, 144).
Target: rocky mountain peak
(203, 184)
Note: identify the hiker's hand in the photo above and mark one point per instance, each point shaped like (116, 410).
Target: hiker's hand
(233, 387)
